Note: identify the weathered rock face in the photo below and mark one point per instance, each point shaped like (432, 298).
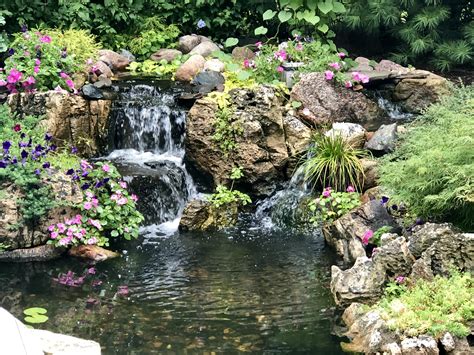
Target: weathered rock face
(242, 53)
(205, 49)
(165, 54)
(262, 147)
(328, 103)
(92, 252)
(198, 215)
(415, 94)
(370, 172)
(15, 235)
(115, 61)
(40, 253)
(394, 256)
(352, 133)
(214, 65)
(188, 42)
(70, 119)
(383, 140)
(190, 68)
(345, 234)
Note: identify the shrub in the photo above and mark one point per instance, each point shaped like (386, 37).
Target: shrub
(443, 305)
(433, 168)
(37, 63)
(332, 205)
(228, 196)
(331, 161)
(161, 69)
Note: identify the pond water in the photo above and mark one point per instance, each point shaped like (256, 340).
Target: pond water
(256, 288)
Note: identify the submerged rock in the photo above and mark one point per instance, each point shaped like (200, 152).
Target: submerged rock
(199, 215)
(383, 140)
(328, 102)
(92, 252)
(40, 253)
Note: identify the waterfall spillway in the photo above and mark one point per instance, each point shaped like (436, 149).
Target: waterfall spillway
(146, 141)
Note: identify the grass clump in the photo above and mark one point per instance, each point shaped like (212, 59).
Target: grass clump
(436, 307)
(331, 161)
(433, 168)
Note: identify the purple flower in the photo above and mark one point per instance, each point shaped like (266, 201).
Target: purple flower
(46, 165)
(201, 24)
(48, 137)
(85, 186)
(37, 171)
(122, 291)
(74, 150)
(327, 192)
(91, 271)
(328, 75)
(400, 279)
(70, 172)
(11, 51)
(3, 164)
(24, 154)
(350, 188)
(24, 28)
(6, 146)
(384, 200)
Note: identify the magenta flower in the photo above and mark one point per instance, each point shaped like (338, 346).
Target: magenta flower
(259, 45)
(122, 201)
(123, 184)
(92, 241)
(341, 54)
(400, 279)
(114, 197)
(14, 76)
(366, 237)
(350, 188)
(70, 83)
(36, 69)
(348, 84)
(61, 227)
(328, 75)
(37, 62)
(281, 55)
(280, 69)
(327, 192)
(106, 168)
(51, 228)
(30, 81)
(335, 65)
(87, 206)
(45, 39)
(91, 271)
(54, 235)
(360, 77)
(3, 83)
(134, 197)
(63, 75)
(95, 223)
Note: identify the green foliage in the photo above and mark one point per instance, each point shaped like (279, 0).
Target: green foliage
(4, 42)
(332, 205)
(226, 126)
(228, 197)
(331, 161)
(443, 305)
(152, 35)
(80, 44)
(35, 315)
(375, 240)
(161, 69)
(432, 170)
(439, 30)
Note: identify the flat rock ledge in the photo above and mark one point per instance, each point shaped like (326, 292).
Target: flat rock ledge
(17, 339)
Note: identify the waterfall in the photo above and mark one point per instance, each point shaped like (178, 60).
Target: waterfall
(394, 111)
(146, 142)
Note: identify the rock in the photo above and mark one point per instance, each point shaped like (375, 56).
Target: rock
(18, 339)
(242, 53)
(442, 248)
(127, 54)
(189, 69)
(371, 173)
(345, 233)
(209, 78)
(262, 148)
(188, 42)
(422, 345)
(383, 140)
(214, 65)
(415, 94)
(374, 193)
(447, 341)
(79, 80)
(388, 65)
(166, 54)
(92, 252)
(329, 103)
(297, 135)
(394, 256)
(103, 82)
(462, 347)
(363, 65)
(40, 253)
(199, 215)
(205, 49)
(361, 283)
(352, 133)
(115, 61)
(91, 92)
(103, 69)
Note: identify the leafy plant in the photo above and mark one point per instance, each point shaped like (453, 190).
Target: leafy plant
(432, 170)
(35, 315)
(161, 69)
(331, 161)
(228, 196)
(332, 205)
(443, 305)
(4, 42)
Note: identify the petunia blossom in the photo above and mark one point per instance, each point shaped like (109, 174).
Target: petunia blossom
(122, 201)
(335, 65)
(106, 168)
(45, 39)
(366, 237)
(280, 69)
(328, 75)
(350, 188)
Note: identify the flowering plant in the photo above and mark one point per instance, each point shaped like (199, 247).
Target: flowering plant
(107, 209)
(332, 205)
(373, 238)
(37, 63)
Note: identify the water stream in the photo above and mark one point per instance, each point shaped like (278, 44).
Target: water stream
(259, 287)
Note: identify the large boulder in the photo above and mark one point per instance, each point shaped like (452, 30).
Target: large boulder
(415, 94)
(188, 42)
(166, 54)
(242, 53)
(261, 151)
(115, 61)
(200, 215)
(92, 252)
(190, 68)
(71, 119)
(345, 233)
(214, 65)
(371, 174)
(383, 140)
(325, 102)
(352, 133)
(205, 49)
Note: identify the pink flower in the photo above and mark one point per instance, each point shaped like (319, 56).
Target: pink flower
(350, 188)
(106, 168)
(77, 219)
(306, 111)
(89, 194)
(134, 197)
(30, 81)
(259, 45)
(335, 65)
(280, 69)
(91, 271)
(3, 83)
(281, 55)
(89, 61)
(122, 201)
(92, 241)
(70, 232)
(95, 202)
(37, 62)
(328, 75)
(26, 53)
(348, 84)
(61, 227)
(59, 89)
(366, 237)
(298, 47)
(14, 76)
(36, 69)
(360, 77)
(63, 75)
(95, 223)
(364, 78)
(123, 184)
(114, 197)
(54, 235)
(64, 241)
(70, 83)
(87, 206)
(45, 39)
(341, 54)
(327, 192)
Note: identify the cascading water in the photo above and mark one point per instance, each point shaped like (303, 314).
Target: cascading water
(394, 111)
(146, 141)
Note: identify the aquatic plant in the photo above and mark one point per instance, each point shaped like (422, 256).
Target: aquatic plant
(35, 315)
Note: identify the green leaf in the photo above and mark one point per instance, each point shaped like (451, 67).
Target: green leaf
(284, 16)
(243, 75)
(260, 31)
(296, 104)
(323, 28)
(311, 17)
(34, 310)
(37, 319)
(268, 15)
(231, 41)
(325, 7)
(233, 67)
(338, 7)
(114, 233)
